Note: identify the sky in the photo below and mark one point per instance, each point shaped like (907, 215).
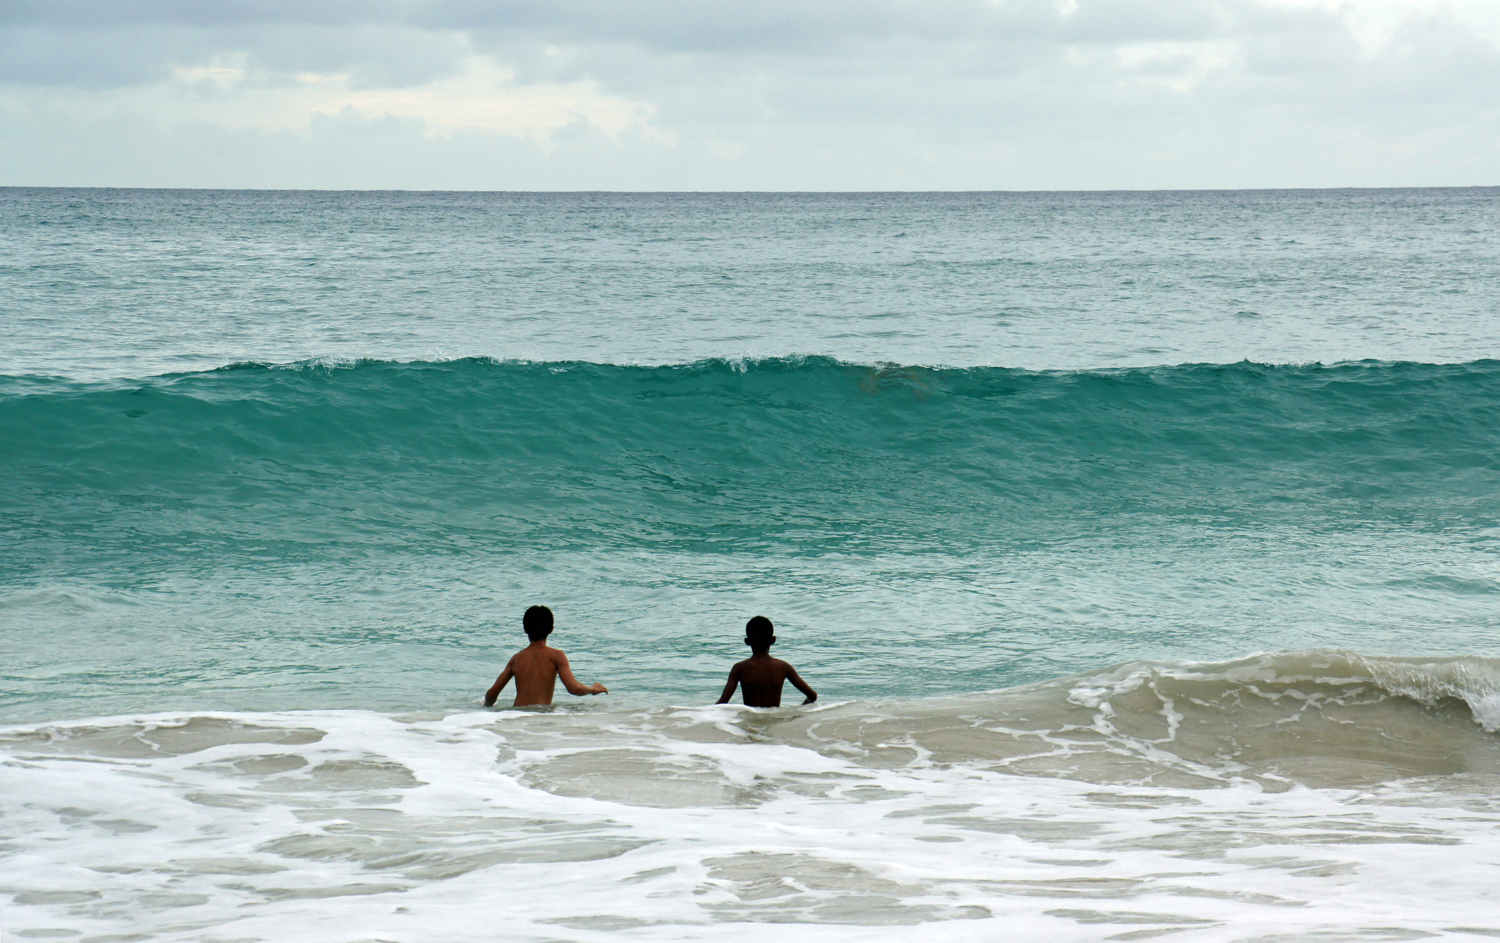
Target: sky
(750, 94)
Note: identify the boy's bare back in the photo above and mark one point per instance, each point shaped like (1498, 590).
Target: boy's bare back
(760, 677)
(537, 667)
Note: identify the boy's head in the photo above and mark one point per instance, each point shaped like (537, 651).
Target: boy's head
(537, 622)
(760, 634)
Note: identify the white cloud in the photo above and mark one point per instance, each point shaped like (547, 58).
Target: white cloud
(479, 96)
(779, 94)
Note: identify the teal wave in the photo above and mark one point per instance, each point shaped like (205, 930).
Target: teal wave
(803, 454)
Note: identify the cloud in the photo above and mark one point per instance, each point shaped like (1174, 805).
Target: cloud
(991, 93)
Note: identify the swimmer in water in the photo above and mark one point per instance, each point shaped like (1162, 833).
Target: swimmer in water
(760, 676)
(537, 667)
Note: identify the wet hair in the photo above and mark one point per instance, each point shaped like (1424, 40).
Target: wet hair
(537, 622)
(759, 632)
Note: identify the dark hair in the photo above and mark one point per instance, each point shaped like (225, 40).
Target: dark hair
(537, 622)
(759, 631)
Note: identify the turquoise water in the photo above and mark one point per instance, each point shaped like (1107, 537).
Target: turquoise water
(1143, 550)
(358, 433)
(366, 534)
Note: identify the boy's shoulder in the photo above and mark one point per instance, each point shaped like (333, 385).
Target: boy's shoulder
(546, 651)
(769, 660)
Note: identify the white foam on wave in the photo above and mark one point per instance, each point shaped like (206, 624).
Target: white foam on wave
(692, 823)
(1486, 709)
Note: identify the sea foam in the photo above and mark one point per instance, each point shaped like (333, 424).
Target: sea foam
(1077, 810)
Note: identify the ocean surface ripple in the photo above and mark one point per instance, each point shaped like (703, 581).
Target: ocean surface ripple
(1142, 548)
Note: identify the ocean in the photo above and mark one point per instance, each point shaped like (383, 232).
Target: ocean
(1143, 548)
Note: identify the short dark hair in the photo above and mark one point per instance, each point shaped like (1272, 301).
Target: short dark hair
(759, 631)
(537, 622)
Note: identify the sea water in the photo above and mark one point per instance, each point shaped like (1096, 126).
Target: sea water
(1142, 548)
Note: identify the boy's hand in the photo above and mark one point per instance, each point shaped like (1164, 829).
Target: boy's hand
(597, 688)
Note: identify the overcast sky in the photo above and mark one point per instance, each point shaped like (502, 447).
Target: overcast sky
(750, 94)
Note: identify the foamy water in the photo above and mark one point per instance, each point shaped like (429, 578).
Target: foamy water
(1117, 806)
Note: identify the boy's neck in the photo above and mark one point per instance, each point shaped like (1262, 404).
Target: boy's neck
(761, 652)
(539, 642)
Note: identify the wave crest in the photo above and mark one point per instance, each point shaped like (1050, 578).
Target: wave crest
(805, 450)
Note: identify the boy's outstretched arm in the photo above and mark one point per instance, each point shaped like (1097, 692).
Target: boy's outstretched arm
(499, 685)
(734, 681)
(801, 685)
(574, 686)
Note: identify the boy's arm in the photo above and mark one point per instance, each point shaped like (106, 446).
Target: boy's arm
(571, 683)
(734, 680)
(500, 683)
(796, 679)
